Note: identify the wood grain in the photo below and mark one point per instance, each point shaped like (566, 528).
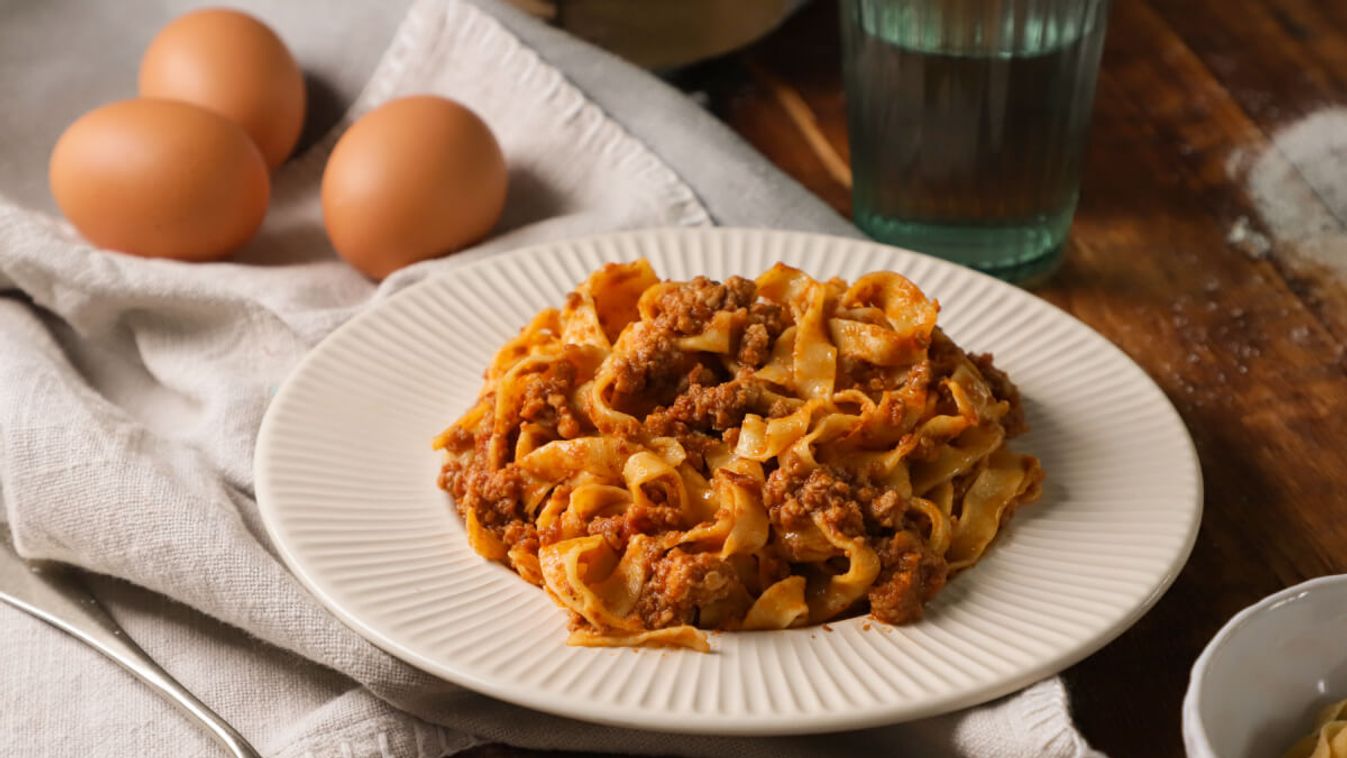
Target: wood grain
(1249, 348)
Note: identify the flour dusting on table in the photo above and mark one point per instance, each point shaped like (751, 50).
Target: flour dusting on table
(1299, 187)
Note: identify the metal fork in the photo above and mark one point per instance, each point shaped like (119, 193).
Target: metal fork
(56, 595)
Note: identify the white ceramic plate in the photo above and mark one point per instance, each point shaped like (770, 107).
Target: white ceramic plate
(346, 484)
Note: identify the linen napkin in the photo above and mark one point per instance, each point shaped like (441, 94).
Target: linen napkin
(131, 392)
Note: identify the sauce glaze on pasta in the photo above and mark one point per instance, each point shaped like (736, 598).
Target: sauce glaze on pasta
(666, 457)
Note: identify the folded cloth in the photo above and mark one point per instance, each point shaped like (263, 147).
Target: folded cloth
(131, 391)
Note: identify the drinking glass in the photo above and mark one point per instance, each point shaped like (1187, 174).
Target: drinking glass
(967, 121)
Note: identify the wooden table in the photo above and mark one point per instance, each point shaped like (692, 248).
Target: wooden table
(1211, 246)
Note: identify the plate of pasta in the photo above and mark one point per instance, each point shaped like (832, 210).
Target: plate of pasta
(727, 482)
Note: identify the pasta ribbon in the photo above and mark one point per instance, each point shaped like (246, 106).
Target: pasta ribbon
(667, 457)
(749, 527)
(780, 368)
(780, 606)
(1006, 479)
(682, 635)
(911, 316)
(815, 356)
(560, 459)
(762, 439)
(541, 331)
(598, 311)
(715, 338)
(839, 592)
(1329, 739)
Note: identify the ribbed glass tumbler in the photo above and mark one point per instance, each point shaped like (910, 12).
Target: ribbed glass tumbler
(967, 120)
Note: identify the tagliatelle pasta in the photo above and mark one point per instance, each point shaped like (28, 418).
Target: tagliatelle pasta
(668, 457)
(1329, 738)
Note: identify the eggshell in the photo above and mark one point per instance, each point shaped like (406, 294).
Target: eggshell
(231, 63)
(416, 178)
(161, 179)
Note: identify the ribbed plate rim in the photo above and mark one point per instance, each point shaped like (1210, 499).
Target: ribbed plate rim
(684, 721)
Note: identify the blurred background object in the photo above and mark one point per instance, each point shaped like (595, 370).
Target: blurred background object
(664, 34)
(967, 124)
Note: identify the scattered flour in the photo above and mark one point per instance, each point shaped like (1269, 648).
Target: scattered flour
(1235, 162)
(1252, 242)
(1299, 187)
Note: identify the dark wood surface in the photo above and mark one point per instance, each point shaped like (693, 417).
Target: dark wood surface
(1211, 246)
(1214, 126)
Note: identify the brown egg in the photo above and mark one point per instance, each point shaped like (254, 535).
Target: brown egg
(233, 64)
(413, 179)
(161, 179)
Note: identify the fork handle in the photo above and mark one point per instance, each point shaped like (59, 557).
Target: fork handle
(58, 598)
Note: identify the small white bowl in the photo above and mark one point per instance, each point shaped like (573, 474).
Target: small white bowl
(1255, 689)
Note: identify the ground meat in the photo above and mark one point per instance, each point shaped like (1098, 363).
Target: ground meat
(697, 446)
(740, 292)
(545, 400)
(688, 308)
(705, 408)
(703, 416)
(1003, 389)
(882, 507)
(497, 497)
(782, 406)
(770, 315)
(656, 370)
(458, 440)
(699, 375)
(909, 576)
(793, 495)
(523, 534)
(755, 347)
(650, 519)
(944, 355)
(853, 373)
(611, 527)
(650, 374)
(682, 585)
(766, 322)
(453, 478)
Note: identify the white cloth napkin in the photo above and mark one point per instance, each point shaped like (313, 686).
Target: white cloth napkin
(130, 395)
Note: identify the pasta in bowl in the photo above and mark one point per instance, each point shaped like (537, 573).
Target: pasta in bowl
(665, 458)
